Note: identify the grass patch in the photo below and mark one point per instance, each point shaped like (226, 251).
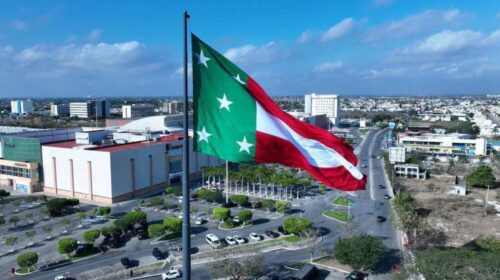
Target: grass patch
(24, 270)
(292, 238)
(342, 201)
(337, 215)
(296, 266)
(170, 236)
(363, 131)
(227, 225)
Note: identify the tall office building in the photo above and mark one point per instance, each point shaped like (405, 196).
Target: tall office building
(60, 110)
(21, 107)
(89, 109)
(137, 111)
(324, 104)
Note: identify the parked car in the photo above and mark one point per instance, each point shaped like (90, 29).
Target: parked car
(381, 219)
(181, 215)
(230, 240)
(199, 221)
(142, 235)
(381, 186)
(213, 240)
(236, 219)
(255, 237)
(158, 254)
(272, 234)
(363, 165)
(387, 196)
(282, 230)
(239, 239)
(126, 262)
(62, 277)
(356, 275)
(171, 274)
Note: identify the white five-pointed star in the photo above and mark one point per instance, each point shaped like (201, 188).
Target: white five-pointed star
(244, 145)
(237, 77)
(224, 103)
(203, 135)
(202, 59)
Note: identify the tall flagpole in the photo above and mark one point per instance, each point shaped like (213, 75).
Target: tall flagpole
(186, 227)
(226, 182)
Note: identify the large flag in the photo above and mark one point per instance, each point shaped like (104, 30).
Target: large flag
(234, 119)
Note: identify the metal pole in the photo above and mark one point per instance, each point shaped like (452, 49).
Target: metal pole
(487, 197)
(186, 227)
(226, 182)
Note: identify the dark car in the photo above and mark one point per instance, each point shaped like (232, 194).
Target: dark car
(158, 254)
(126, 262)
(281, 230)
(142, 235)
(230, 204)
(272, 234)
(381, 186)
(356, 275)
(381, 219)
(387, 196)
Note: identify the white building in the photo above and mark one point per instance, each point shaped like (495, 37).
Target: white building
(60, 110)
(397, 155)
(21, 107)
(89, 109)
(325, 104)
(444, 144)
(410, 171)
(137, 111)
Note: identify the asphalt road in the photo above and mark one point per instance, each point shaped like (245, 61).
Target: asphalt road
(367, 207)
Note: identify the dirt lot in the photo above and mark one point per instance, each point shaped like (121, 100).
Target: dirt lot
(462, 218)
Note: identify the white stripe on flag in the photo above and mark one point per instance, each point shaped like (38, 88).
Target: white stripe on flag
(315, 152)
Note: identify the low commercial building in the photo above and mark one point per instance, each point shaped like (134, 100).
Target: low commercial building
(444, 144)
(410, 171)
(110, 173)
(137, 111)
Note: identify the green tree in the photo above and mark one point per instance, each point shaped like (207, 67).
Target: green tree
(10, 241)
(221, 213)
(111, 230)
(66, 246)
(245, 216)
(58, 206)
(4, 194)
(404, 202)
(14, 220)
(130, 219)
(281, 206)
(156, 230)
(104, 210)
(27, 259)
(296, 225)
(239, 199)
(90, 236)
(173, 224)
(361, 252)
(481, 177)
(268, 204)
(30, 234)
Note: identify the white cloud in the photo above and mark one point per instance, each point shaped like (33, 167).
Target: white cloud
(305, 37)
(95, 34)
(382, 2)
(413, 24)
(19, 25)
(256, 54)
(328, 66)
(339, 30)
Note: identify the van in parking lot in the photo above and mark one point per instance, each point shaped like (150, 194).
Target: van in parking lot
(213, 240)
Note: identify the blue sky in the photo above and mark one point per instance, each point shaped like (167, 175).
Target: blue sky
(134, 48)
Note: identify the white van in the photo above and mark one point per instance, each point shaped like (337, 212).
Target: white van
(213, 240)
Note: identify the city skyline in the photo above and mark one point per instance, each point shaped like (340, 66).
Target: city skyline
(58, 49)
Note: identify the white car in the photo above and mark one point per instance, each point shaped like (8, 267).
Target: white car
(231, 241)
(255, 237)
(171, 274)
(61, 277)
(239, 239)
(236, 219)
(199, 221)
(180, 215)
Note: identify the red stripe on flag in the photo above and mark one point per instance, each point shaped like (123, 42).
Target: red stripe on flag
(272, 149)
(304, 129)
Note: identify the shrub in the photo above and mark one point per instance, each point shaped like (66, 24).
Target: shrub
(90, 236)
(156, 230)
(361, 252)
(169, 190)
(481, 177)
(27, 259)
(268, 204)
(296, 225)
(281, 206)
(103, 211)
(221, 213)
(173, 224)
(66, 246)
(228, 223)
(245, 216)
